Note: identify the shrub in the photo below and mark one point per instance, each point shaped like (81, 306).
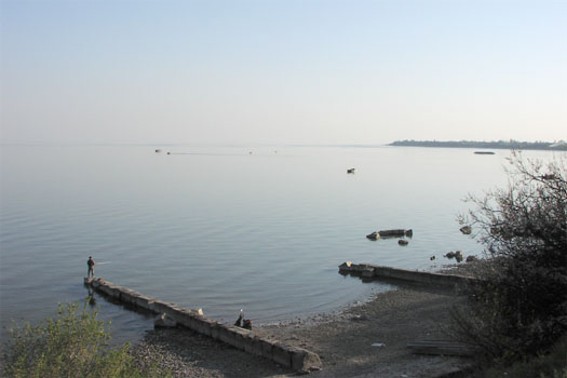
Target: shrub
(551, 365)
(71, 345)
(519, 308)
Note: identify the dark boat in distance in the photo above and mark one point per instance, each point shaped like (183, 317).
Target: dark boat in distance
(484, 152)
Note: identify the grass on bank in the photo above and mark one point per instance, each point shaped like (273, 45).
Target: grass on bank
(72, 344)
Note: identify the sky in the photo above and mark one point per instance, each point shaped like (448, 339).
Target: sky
(282, 71)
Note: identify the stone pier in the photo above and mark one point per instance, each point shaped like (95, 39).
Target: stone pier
(368, 271)
(292, 357)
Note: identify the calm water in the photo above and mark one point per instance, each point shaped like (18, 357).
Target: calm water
(224, 228)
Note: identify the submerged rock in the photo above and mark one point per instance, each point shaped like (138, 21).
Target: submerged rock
(466, 230)
(457, 255)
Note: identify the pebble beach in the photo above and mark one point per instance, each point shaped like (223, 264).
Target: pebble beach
(366, 340)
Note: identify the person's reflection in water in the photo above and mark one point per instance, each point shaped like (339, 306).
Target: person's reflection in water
(91, 298)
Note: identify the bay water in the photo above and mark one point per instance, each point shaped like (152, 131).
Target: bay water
(221, 228)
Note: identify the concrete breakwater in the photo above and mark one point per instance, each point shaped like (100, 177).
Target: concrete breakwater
(240, 338)
(369, 271)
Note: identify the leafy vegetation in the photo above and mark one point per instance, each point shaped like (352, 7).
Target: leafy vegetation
(519, 308)
(550, 365)
(71, 345)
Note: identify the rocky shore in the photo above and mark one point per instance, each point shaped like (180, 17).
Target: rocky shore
(367, 340)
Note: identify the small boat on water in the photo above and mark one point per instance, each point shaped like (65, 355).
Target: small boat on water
(484, 152)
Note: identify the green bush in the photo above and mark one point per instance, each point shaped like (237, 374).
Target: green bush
(519, 308)
(551, 365)
(71, 345)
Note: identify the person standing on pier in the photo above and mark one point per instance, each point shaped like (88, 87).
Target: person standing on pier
(90, 264)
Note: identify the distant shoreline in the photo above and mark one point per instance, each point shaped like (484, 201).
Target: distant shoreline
(507, 145)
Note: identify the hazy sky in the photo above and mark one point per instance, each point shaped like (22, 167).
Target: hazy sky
(282, 71)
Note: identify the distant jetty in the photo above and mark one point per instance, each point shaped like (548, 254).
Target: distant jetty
(502, 145)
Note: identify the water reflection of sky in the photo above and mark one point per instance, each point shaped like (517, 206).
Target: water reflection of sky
(225, 228)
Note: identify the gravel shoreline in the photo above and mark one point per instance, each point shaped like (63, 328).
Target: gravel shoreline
(366, 340)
